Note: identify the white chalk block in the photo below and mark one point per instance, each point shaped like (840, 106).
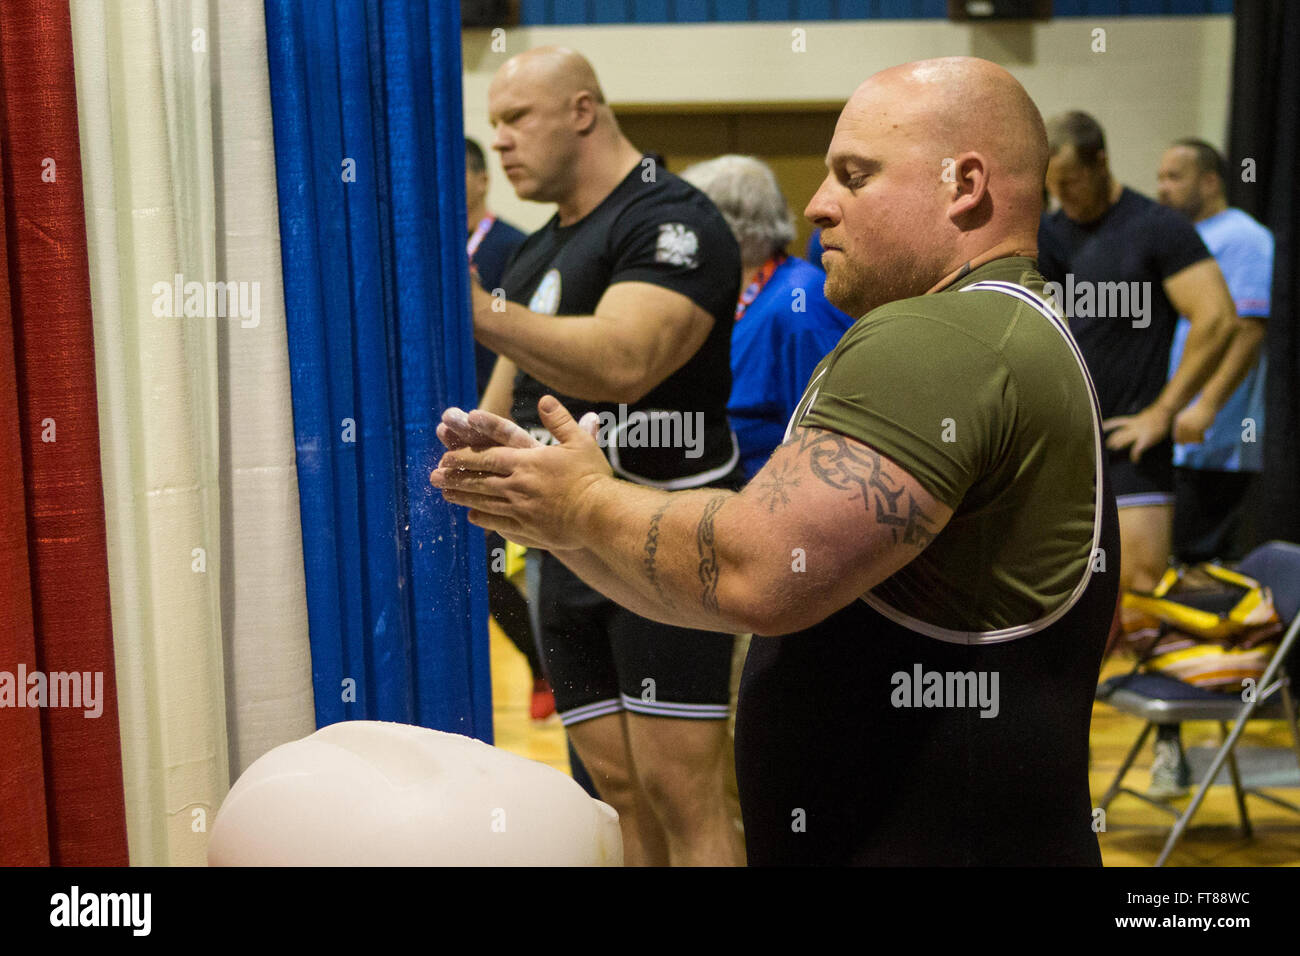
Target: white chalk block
(372, 793)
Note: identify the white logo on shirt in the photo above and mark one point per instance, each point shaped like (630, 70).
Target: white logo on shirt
(546, 299)
(677, 245)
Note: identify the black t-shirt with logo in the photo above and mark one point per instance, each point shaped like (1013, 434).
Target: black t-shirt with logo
(1136, 242)
(667, 233)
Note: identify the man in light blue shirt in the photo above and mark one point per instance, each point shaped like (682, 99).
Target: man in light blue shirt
(1212, 478)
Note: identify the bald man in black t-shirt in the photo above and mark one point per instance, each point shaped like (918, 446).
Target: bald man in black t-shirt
(622, 303)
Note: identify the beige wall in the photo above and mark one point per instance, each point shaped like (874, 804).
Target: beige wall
(1160, 78)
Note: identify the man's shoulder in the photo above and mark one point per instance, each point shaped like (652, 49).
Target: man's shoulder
(1158, 232)
(681, 222)
(1147, 217)
(665, 197)
(1131, 199)
(955, 304)
(965, 326)
(1240, 230)
(931, 329)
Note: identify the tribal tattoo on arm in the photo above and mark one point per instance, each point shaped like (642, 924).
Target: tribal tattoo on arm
(833, 459)
(651, 548)
(709, 566)
(706, 544)
(850, 466)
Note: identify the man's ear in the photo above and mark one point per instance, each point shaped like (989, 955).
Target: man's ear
(970, 174)
(1211, 185)
(583, 111)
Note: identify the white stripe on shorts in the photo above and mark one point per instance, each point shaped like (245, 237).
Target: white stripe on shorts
(663, 708)
(587, 711)
(1141, 499)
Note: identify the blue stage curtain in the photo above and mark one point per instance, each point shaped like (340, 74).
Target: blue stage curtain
(366, 99)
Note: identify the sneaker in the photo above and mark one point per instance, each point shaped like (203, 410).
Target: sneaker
(543, 703)
(1171, 777)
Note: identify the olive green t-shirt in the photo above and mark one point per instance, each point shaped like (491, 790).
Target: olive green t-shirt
(983, 399)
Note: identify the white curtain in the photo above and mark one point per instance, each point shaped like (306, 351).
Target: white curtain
(205, 559)
(264, 600)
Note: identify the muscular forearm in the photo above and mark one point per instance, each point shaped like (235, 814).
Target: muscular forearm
(578, 355)
(826, 520)
(1206, 341)
(1243, 352)
(635, 594)
(679, 558)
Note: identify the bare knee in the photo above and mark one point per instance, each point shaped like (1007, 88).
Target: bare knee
(682, 800)
(684, 784)
(602, 746)
(618, 790)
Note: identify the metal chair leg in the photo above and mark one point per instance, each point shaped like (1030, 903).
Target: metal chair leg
(1293, 718)
(1246, 829)
(1128, 762)
(1215, 766)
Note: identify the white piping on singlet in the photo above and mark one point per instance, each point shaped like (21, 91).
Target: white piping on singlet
(697, 480)
(1020, 630)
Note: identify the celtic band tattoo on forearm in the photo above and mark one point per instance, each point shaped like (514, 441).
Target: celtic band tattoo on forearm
(651, 549)
(706, 544)
(850, 466)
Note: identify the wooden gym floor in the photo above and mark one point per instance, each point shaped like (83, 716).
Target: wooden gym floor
(1135, 831)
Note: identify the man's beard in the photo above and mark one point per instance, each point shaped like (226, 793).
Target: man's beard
(856, 290)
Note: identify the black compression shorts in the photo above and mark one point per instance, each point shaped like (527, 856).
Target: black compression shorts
(1148, 482)
(601, 658)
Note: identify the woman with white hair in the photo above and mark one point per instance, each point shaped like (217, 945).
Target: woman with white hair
(784, 325)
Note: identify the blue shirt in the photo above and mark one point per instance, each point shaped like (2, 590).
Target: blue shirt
(775, 346)
(1244, 250)
(493, 253)
(815, 249)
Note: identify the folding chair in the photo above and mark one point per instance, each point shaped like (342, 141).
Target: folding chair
(1158, 699)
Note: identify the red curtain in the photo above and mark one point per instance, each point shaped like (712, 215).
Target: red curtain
(61, 798)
